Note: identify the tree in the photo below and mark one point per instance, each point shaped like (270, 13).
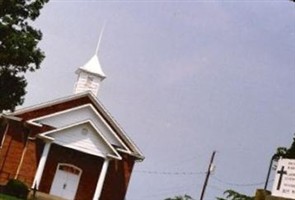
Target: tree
(185, 197)
(290, 153)
(283, 152)
(233, 195)
(18, 48)
(11, 90)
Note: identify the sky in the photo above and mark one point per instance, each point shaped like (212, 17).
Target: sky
(184, 78)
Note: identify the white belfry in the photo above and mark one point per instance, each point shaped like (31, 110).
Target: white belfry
(90, 75)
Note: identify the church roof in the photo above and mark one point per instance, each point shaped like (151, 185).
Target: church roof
(29, 113)
(93, 66)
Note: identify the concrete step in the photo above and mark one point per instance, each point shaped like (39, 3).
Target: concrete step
(43, 196)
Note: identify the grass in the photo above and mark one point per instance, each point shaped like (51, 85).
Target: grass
(7, 197)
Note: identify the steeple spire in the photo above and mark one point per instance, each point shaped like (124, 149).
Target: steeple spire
(99, 39)
(90, 75)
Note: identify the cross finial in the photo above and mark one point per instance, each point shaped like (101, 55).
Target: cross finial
(99, 39)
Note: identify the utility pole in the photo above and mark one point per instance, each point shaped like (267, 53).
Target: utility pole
(208, 175)
(268, 173)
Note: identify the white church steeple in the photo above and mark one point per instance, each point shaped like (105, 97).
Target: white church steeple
(90, 75)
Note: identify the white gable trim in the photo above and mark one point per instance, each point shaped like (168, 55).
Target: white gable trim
(18, 119)
(135, 150)
(126, 149)
(46, 136)
(11, 117)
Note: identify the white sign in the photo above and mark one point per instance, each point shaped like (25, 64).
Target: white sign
(284, 183)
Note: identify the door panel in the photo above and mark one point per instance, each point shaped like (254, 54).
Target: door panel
(66, 181)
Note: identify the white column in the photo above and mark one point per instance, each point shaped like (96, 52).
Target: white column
(101, 179)
(41, 166)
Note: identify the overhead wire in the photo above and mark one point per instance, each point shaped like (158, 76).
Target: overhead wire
(239, 184)
(184, 173)
(168, 173)
(187, 188)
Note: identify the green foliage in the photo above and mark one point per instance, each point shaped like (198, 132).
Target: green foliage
(14, 88)
(18, 47)
(290, 153)
(6, 197)
(233, 195)
(185, 197)
(281, 152)
(16, 188)
(285, 152)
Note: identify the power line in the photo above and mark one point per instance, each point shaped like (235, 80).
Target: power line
(184, 173)
(169, 173)
(238, 184)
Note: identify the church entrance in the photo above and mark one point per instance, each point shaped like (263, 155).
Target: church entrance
(66, 181)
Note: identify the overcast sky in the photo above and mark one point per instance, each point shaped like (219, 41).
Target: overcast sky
(184, 78)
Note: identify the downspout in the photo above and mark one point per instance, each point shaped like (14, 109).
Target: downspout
(4, 135)
(6, 153)
(23, 152)
(2, 142)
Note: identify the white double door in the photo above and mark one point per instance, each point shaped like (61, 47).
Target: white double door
(65, 182)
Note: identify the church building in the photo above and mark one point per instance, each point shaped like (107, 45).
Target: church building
(71, 147)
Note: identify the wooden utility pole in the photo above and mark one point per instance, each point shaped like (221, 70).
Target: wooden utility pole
(268, 173)
(208, 175)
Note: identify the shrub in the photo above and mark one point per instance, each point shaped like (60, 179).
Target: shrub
(16, 188)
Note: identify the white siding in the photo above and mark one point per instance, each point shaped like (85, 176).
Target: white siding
(77, 138)
(82, 114)
(82, 85)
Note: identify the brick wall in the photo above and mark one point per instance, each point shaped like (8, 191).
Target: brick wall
(11, 152)
(19, 155)
(117, 179)
(17, 146)
(30, 162)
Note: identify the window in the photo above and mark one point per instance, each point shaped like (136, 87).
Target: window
(69, 169)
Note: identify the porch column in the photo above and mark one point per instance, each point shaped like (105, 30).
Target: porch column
(101, 179)
(41, 165)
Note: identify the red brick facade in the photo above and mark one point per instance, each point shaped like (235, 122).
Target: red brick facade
(13, 149)
(16, 145)
(21, 152)
(117, 179)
